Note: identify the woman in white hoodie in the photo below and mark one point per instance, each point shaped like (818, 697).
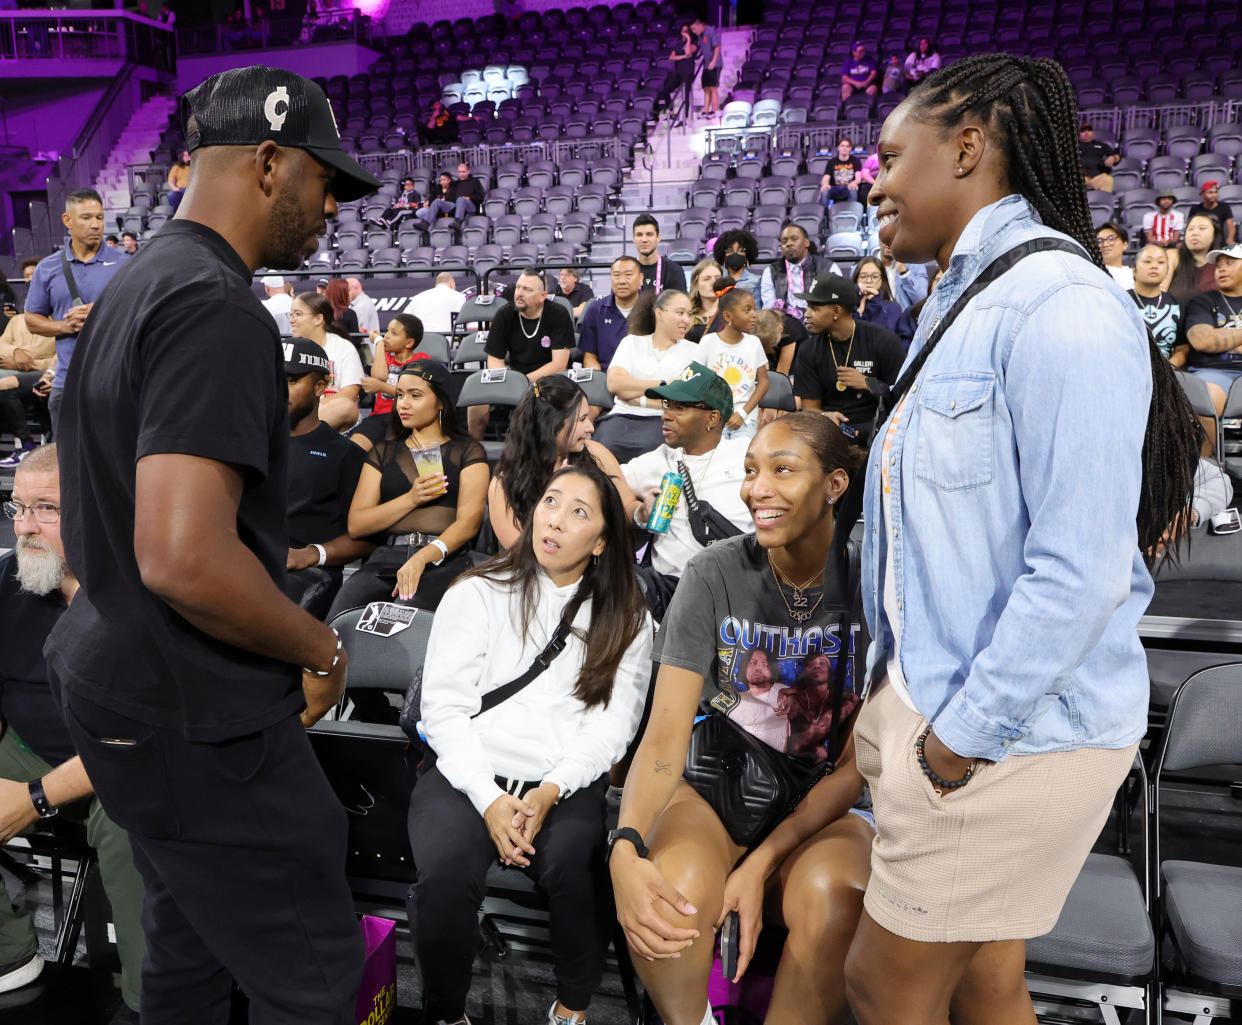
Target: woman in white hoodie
(522, 780)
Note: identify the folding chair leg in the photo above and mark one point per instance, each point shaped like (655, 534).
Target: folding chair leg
(71, 921)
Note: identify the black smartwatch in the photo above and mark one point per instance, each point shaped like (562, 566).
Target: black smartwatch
(626, 833)
(39, 799)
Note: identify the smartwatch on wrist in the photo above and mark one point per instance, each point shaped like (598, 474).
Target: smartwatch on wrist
(39, 799)
(626, 833)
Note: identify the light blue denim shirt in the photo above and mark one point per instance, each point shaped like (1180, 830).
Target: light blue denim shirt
(1015, 474)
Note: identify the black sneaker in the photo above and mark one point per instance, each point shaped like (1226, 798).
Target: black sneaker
(15, 976)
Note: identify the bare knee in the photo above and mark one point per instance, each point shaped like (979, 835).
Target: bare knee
(697, 877)
(820, 906)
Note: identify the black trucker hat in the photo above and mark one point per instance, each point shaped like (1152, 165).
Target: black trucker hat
(247, 106)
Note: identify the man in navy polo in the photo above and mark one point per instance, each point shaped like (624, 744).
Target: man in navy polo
(605, 320)
(52, 307)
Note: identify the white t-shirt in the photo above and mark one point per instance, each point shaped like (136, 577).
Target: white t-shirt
(717, 477)
(738, 364)
(278, 306)
(637, 355)
(1123, 275)
(368, 316)
(435, 308)
(346, 364)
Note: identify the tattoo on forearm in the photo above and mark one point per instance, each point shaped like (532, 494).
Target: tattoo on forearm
(663, 769)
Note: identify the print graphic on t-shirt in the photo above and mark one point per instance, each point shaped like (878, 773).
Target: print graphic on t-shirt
(1231, 321)
(737, 372)
(1162, 318)
(776, 682)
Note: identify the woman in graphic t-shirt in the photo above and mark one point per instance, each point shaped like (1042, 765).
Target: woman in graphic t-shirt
(756, 592)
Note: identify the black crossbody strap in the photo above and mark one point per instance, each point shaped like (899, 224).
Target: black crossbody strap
(687, 487)
(75, 297)
(1002, 264)
(544, 659)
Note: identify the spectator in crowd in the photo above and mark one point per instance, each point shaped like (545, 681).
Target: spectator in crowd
(1160, 310)
(397, 347)
(426, 513)
(1210, 203)
(893, 77)
(343, 316)
(652, 354)
(736, 355)
(178, 179)
(439, 126)
(569, 285)
(36, 586)
(843, 179)
(1097, 158)
(703, 300)
(26, 371)
(173, 466)
(713, 57)
(875, 299)
(779, 344)
(680, 78)
(279, 301)
(907, 283)
(56, 309)
(551, 427)
(531, 336)
(606, 320)
(363, 306)
(784, 280)
(1190, 273)
(554, 742)
(129, 243)
(437, 306)
(1213, 492)
(323, 474)
(28, 268)
(658, 273)
(696, 408)
(736, 250)
(440, 203)
(922, 61)
(463, 197)
(321, 286)
(1214, 326)
(1112, 239)
(111, 241)
(863, 359)
(1163, 226)
(860, 74)
(745, 594)
(405, 205)
(310, 316)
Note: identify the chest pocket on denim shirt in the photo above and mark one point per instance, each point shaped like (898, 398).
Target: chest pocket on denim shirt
(954, 447)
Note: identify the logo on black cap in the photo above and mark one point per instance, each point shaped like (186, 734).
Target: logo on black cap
(275, 116)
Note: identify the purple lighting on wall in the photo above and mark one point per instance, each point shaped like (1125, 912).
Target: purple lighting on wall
(375, 9)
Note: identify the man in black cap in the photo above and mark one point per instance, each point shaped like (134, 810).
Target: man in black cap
(187, 676)
(846, 363)
(1098, 158)
(324, 467)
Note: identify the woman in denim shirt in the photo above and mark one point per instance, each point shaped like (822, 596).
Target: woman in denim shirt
(1002, 574)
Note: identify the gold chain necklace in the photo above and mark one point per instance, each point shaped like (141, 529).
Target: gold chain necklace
(833, 353)
(800, 611)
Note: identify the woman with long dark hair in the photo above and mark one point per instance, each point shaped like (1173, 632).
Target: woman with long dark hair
(1003, 566)
(786, 591)
(550, 428)
(421, 493)
(523, 780)
(1190, 274)
(311, 316)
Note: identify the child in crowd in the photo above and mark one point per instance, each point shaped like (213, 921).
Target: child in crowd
(740, 358)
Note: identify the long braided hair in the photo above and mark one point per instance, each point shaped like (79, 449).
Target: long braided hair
(1028, 106)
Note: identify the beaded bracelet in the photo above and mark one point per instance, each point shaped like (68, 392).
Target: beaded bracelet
(939, 782)
(335, 659)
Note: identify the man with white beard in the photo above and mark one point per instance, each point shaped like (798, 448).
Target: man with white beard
(36, 587)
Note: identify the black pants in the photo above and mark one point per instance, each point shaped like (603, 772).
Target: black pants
(628, 436)
(15, 402)
(452, 853)
(313, 588)
(241, 845)
(375, 579)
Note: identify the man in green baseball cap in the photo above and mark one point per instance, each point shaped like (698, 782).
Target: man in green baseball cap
(697, 386)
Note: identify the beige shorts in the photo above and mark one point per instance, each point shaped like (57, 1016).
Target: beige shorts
(992, 861)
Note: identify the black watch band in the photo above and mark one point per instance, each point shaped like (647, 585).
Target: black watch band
(39, 799)
(626, 833)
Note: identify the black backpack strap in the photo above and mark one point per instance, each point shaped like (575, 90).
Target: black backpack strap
(75, 296)
(544, 659)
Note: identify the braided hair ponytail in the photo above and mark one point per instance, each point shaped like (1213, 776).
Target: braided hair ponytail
(1027, 105)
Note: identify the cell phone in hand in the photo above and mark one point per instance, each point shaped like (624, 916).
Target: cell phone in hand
(729, 935)
(848, 431)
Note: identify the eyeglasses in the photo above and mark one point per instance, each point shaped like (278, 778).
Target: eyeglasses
(43, 512)
(676, 407)
(1106, 240)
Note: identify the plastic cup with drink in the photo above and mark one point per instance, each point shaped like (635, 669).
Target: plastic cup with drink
(428, 462)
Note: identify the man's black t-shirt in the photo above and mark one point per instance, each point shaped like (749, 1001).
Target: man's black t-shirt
(26, 701)
(1094, 153)
(876, 352)
(178, 357)
(527, 345)
(581, 294)
(1220, 213)
(1214, 309)
(669, 272)
(323, 474)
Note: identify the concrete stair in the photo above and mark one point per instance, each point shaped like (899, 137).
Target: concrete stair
(140, 137)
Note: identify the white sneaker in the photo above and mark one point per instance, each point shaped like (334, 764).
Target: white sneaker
(463, 1020)
(16, 976)
(555, 1019)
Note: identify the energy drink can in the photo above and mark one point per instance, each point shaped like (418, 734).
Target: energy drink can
(670, 495)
